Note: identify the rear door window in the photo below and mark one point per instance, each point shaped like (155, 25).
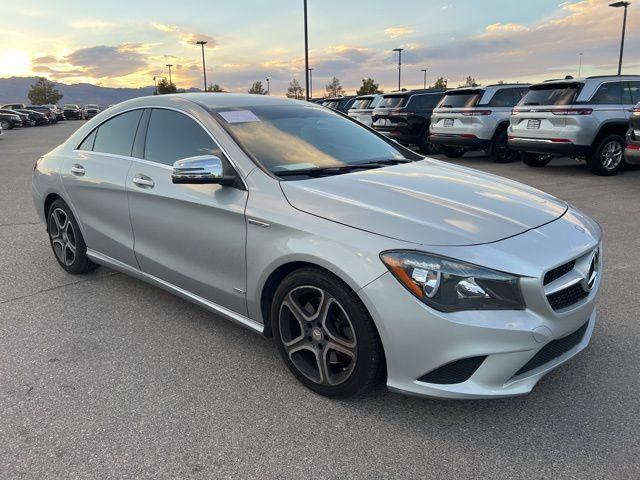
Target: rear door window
(116, 135)
(634, 93)
(609, 93)
(554, 94)
(506, 97)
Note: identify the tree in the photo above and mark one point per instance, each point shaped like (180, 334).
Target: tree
(257, 88)
(368, 87)
(469, 82)
(500, 82)
(214, 88)
(295, 90)
(334, 89)
(165, 87)
(440, 83)
(43, 92)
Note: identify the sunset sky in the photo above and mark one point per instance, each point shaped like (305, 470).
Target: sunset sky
(126, 43)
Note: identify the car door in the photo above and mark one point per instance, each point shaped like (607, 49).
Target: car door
(94, 177)
(191, 236)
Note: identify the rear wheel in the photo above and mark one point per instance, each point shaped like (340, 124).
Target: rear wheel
(453, 152)
(608, 156)
(5, 125)
(324, 334)
(66, 239)
(537, 160)
(500, 151)
(427, 147)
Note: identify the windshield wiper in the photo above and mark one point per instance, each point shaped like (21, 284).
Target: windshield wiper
(322, 171)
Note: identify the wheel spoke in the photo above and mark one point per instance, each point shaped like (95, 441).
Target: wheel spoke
(337, 324)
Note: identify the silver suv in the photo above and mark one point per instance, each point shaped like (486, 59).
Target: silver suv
(580, 118)
(476, 118)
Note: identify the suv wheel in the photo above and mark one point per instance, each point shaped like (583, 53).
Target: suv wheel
(453, 152)
(5, 124)
(325, 335)
(66, 239)
(608, 156)
(427, 147)
(500, 151)
(535, 159)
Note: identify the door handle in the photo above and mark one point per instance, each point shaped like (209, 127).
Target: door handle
(143, 181)
(77, 170)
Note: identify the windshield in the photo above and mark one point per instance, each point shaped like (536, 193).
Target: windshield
(460, 100)
(550, 95)
(393, 101)
(291, 137)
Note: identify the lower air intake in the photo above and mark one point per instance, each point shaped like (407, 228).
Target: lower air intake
(454, 372)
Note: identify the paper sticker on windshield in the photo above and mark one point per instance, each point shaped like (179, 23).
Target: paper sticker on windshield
(239, 116)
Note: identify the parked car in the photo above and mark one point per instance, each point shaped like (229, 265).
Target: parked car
(13, 106)
(59, 113)
(9, 120)
(632, 150)
(34, 118)
(362, 108)
(24, 118)
(476, 118)
(406, 116)
(581, 118)
(72, 111)
(46, 110)
(387, 265)
(90, 110)
(342, 104)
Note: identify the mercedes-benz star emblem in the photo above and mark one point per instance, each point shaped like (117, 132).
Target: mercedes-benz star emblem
(594, 265)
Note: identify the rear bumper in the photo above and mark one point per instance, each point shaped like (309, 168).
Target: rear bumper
(547, 146)
(458, 140)
(399, 135)
(632, 152)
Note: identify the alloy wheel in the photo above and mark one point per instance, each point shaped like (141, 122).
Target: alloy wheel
(611, 155)
(63, 237)
(318, 335)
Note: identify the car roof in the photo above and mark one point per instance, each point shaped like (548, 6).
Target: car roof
(414, 92)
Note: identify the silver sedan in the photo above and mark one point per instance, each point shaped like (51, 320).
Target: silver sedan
(365, 261)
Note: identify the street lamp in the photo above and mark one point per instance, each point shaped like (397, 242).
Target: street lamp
(202, 43)
(155, 85)
(310, 96)
(579, 64)
(399, 50)
(307, 72)
(268, 86)
(424, 70)
(170, 65)
(624, 27)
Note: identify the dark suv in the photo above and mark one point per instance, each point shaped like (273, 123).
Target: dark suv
(406, 116)
(342, 104)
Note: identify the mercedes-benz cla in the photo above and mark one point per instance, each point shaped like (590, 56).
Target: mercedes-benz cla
(365, 261)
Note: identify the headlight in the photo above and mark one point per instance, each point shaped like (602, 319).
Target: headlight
(449, 285)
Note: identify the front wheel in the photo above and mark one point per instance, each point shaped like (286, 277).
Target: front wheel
(453, 152)
(5, 125)
(325, 335)
(500, 151)
(536, 160)
(66, 239)
(608, 156)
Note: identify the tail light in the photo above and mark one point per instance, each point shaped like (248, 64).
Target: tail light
(636, 112)
(35, 165)
(398, 114)
(475, 113)
(572, 111)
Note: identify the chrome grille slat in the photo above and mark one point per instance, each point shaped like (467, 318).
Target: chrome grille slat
(568, 284)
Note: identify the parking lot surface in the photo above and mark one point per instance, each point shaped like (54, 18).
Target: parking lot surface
(103, 376)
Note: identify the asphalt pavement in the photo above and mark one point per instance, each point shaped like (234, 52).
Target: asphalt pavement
(103, 376)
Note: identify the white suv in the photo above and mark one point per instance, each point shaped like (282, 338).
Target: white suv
(362, 108)
(581, 118)
(476, 118)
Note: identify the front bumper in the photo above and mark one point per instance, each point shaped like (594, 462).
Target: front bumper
(418, 340)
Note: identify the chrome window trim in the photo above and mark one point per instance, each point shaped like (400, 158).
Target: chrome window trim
(149, 162)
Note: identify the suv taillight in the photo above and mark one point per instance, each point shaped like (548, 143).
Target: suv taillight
(636, 111)
(572, 111)
(475, 113)
(401, 113)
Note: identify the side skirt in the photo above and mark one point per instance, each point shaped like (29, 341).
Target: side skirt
(202, 302)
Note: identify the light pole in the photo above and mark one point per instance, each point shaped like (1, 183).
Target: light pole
(268, 86)
(579, 64)
(424, 70)
(155, 85)
(310, 96)
(399, 50)
(624, 27)
(307, 72)
(170, 65)
(202, 43)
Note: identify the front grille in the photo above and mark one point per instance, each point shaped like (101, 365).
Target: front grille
(558, 272)
(455, 372)
(554, 349)
(567, 297)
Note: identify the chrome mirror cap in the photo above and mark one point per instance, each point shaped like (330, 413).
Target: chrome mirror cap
(200, 169)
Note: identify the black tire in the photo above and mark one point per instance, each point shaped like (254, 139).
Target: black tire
(453, 152)
(607, 158)
(32, 123)
(536, 160)
(306, 344)
(64, 233)
(500, 151)
(6, 125)
(428, 148)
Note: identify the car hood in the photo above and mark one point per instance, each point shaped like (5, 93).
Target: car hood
(426, 202)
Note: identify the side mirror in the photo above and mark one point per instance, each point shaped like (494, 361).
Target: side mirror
(199, 170)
